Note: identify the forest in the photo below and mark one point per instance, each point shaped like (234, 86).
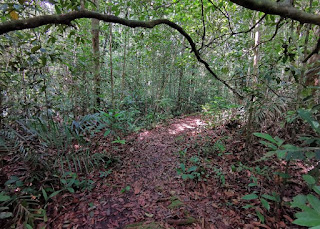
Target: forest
(160, 114)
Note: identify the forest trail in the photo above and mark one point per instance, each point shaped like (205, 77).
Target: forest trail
(146, 188)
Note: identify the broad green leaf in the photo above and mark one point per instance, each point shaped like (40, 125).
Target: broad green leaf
(35, 48)
(44, 193)
(298, 201)
(316, 189)
(183, 167)
(269, 144)
(28, 226)
(279, 141)
(309, 179)
(4, 197)
(260, 216)
(192, 169)
(252, 184)
(251, 196)
(281, 154)
(265, 136)
(12, 180)
(58, 10)
(309, 218)
(5, 215)
(315, 202)
(248, 206)
(307, 116)
(185, 176)
(265, 204)
(269, 154)
(310, 154)
(70, 190)
(54, 194)
(268, 197)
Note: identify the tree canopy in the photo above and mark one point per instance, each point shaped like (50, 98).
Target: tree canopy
(159, 113)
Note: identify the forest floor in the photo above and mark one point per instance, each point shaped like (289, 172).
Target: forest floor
(144, 189)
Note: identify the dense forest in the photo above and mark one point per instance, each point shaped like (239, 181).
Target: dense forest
(159, 114)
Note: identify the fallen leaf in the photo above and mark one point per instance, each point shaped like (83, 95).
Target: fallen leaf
(14, 15)
(149, 215)
(282, 224)
(229, 193)
(288, 218)
(137, 188)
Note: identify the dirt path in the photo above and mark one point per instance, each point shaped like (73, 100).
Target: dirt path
(146, 188)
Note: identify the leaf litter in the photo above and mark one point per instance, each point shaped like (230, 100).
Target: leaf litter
(145, 191)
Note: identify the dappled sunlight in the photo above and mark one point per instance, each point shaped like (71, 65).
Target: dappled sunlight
(177, 127)
(190, 123)
(144, 134)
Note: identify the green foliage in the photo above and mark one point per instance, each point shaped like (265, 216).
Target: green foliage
(217, 148)
(310, 215)
(310, 206)
(195, 172)
(219, 173)
(104, 174)
(126, 189)
(260, 200)
(20, 203)
(71, 182)
(287, 151)
(219, 110)
(188, 173)
(120, 141)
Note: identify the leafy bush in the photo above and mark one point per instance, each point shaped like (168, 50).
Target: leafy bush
(219, 110)
(310, 204)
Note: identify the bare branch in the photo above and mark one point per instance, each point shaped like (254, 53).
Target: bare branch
(203, 25)
(224, 14)
(234, 33)
(315, 51)
(274, 34)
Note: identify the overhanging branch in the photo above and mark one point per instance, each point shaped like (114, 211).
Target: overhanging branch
(67, 18)
(281, 9)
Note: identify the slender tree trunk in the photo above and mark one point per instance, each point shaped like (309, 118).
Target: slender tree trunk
(1, 106)
(24, 86)
(305, 54)
(123, 76)
(85, 98)
(250, 122)
(111, 68)
(181, 71)
(179, 96)
(96, 56)
(256, 54)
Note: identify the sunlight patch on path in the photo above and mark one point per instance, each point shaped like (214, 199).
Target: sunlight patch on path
(177, 128)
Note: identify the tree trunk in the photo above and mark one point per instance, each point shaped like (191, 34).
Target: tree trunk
(250, 122)
(96, 56)
(123, 76)
(111, 69)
